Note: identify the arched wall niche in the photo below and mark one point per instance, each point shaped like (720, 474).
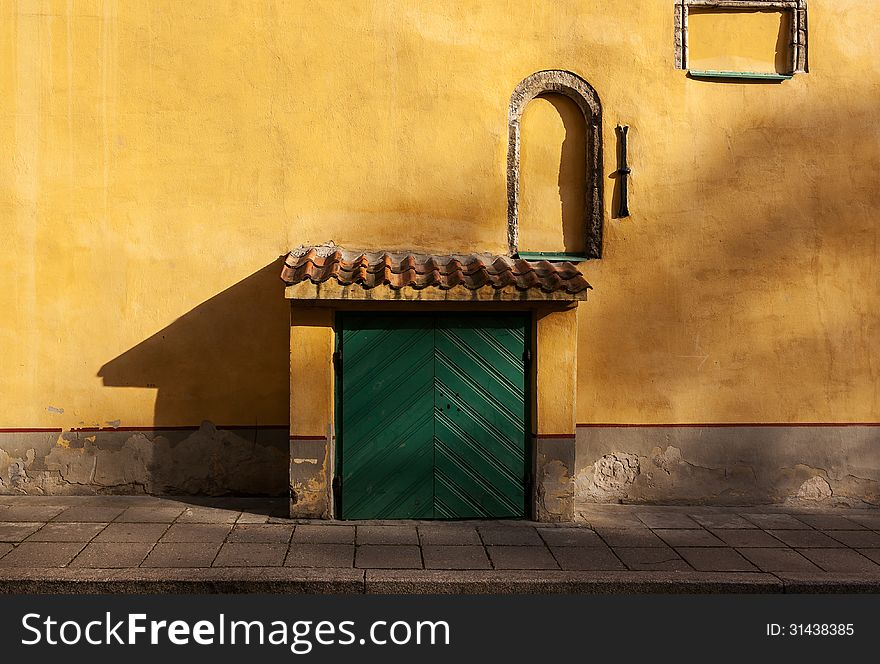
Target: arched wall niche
(578, 90)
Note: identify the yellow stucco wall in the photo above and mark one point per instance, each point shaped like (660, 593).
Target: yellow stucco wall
(159, 156)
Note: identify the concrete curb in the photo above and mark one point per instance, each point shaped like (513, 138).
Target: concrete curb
(386, 582)
(182, 580)
(298, 581)
(390, 582)
(827, 584)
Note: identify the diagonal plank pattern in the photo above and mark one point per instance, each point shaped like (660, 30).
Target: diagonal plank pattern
(433, 416)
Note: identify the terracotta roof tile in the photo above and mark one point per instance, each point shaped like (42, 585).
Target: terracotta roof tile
(404, 269)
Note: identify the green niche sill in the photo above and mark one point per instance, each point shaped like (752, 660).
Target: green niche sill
(551, 256)
(753, 75)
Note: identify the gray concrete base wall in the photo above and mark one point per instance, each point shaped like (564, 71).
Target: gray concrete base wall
(311, 472)
(554, 489)
(204, 461)
(723, 464)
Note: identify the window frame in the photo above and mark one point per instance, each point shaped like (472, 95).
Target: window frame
(797, 10)
(571, 85)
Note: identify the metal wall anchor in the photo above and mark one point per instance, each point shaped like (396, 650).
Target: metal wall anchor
(623, 173)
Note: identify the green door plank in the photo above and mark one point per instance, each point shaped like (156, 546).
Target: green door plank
(479, 430)
(387, 417)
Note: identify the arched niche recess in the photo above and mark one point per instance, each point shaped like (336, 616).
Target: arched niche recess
(578, 90)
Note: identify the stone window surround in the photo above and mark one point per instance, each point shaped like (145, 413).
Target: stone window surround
(582, 93)
(797, 10)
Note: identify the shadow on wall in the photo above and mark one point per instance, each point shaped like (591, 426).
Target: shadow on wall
(226, 361)
(538, 223)
(572, 171)
(793, 342)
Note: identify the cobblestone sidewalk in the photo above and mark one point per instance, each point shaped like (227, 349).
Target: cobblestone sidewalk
(128, 543)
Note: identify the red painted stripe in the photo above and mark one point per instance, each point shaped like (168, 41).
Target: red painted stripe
(193, 427)
(707, 425)
(308, 437)
(555, 435)
(32, 430)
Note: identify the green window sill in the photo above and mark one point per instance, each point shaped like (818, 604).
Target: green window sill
(551, 256)
(747, 75)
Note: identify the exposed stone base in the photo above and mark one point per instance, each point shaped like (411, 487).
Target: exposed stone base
(728, 464)
(204, 461)
(554, 486)
(310, 473)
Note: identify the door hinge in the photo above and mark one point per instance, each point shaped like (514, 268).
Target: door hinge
(336, 483)
(337, 361)
(527, 356)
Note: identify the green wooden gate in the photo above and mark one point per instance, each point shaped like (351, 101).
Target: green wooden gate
(431, 416)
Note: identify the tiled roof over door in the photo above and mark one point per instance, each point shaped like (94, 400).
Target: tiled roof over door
(407, 270)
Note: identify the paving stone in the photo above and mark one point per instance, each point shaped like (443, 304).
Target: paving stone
(197, 532)
(107, 555)
(655, 520)
(387, 535)
(181, 554)
(652, 558)
(324, 534)
(85, 514)
(251, 554)
(4, 548)
(630, 537)
(857, 539)
(775, 521)
(570, 537)
(584, 558)
(378, 556)
(67, 532)
(722, 520)
(510, 536)
(150, 514)
(778, 560)
(522, 557)
(873, 554)
(265, 532)
(805, 538)
(609, 516)
(449, 535)
(207, 515)
(455, 557)
(867, 520)
(320, 555)
(247, 517)
(683, 537)
(748, 538)
(831, 560)
(715, 559)
(16, 531)
(41, 554)
(829, 522)
(132, 532)
(31, 512)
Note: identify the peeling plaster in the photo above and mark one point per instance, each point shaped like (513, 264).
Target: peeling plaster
(554, 493)
(815, 488)
(309, 472)
(208, 461)
(554, 485)
(721, 466)
(608, 478)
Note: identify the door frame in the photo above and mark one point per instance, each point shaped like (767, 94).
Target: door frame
(552, 382)
(529, 394)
